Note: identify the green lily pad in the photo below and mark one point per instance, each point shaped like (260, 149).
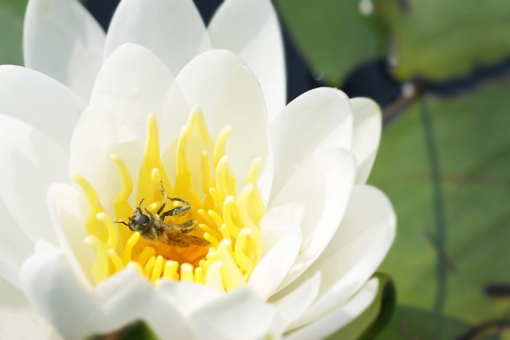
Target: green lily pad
(138, 330)
(12, 13)
(441, 39)
(473, 143)
(334, 36)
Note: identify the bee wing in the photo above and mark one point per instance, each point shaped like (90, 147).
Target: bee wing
(181, 240)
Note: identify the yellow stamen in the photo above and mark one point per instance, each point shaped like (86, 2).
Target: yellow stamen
(187, 272)
(213, 276)
(117, 262)
(147, 270)
(100, 267)
(232, 276)
(171, 270)
(126, 256)
(220, 148)
(151, 160)
(113, 237)
(94, 227)
(158, 269)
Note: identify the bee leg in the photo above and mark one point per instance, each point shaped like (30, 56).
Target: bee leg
(187, 226)
(177, 210)
(161, 208)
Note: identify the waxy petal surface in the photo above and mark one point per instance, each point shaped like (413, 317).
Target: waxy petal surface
(354, 253)
(240, 314)
(340, 316)
(250, 28)
(317, 121)
(41, 102)
(274, 265)
(15, 247)
(173, 30)
(31, 161)
(323, 185)
(62, 40)
(241, 106)
(366, 136)
(53, 289)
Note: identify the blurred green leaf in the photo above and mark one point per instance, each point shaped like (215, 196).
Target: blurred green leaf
(473, 142)
(138, 330)
(12, 13)
(333, 35)
(441, 39)
(375, 317)
(413, 323)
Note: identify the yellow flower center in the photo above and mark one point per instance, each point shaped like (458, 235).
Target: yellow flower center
(227, 224)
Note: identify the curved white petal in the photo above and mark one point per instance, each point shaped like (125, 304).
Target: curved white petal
(173, 30)
(132, 83)
(241, 106)
(18, 320)
(273, 267)
(129, 297)
(69, 220)
(15, 247)
(31, 161)
(297, 302)
(203, 78)
(278, 222)
(240, 314)
(53, 289)
(367, 134)
(187, 296)
(97, 135)
(40, 101)
(323, 184)
(250, 28)
(354, 253)
(340, 316)
(317, 121)
(61, 39)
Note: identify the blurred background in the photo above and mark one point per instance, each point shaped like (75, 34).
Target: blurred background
(439, 70)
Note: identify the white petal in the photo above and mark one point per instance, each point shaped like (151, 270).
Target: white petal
(134, 83)
(61, 39)
(173, 30)
(339, 317)
(278, 222)
(273, 267)
(69, 219)
(40, 101)
(297, 302)
(15, 247)
(55, 291)
(240, 314)
(250, 28)
(367, 134)
(323, 184)
(357, 249)
(187, 296)
(241, 106)
(130, 297)
(31, 161)
(203, 78)
(18, 320)
(317, 121)
(97, 135)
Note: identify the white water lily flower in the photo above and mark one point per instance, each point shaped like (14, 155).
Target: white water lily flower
(285, 234)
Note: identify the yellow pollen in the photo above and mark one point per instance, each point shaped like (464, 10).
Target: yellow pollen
(220, 243)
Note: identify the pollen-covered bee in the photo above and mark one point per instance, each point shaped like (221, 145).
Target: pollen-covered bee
(154, 228)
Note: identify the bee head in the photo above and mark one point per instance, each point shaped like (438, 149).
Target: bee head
(139, 221)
